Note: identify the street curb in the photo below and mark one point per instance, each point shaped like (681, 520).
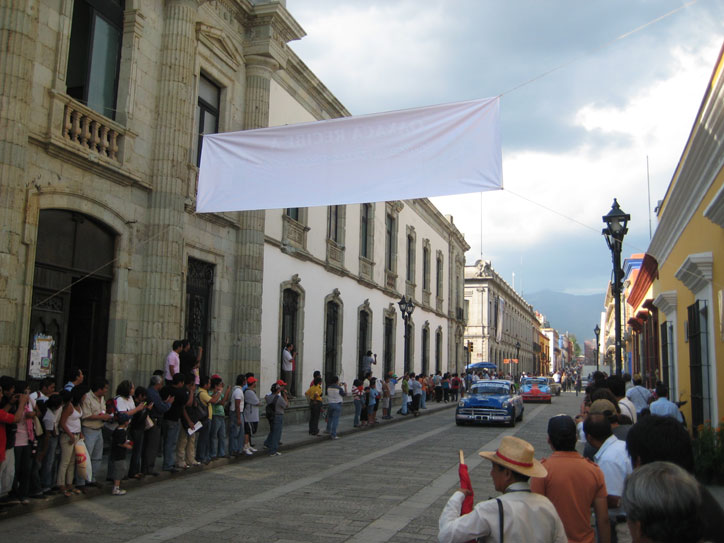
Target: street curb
(104, 489)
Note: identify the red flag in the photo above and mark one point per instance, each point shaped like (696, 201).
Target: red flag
(465, 483)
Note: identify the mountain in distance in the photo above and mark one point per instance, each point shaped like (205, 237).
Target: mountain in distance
(576, 314)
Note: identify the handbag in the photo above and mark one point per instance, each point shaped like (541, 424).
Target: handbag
(83, 466)
(149, 423)
(38, 427)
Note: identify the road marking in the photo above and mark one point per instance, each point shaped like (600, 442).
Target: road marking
(385, 527)
(380, 530)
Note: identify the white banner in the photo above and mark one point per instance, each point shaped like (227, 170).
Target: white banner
(415, 153)
(499, 327)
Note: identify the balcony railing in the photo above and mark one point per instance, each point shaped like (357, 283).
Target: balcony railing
(90, 130)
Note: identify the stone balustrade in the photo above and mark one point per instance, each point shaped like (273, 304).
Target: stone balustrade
(92, 131)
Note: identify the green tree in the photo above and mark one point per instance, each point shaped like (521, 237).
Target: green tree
(576, 346)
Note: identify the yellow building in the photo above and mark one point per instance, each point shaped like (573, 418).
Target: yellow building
(688, 248)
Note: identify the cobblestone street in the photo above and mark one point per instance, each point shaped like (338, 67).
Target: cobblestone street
(384, 484)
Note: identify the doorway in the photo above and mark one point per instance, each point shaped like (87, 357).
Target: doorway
(71, 296)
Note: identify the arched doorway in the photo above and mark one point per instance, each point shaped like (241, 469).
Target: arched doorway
(71, 296)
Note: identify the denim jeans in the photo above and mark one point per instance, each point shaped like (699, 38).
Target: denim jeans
(334, 410)
(203, 443)
(218, 436)
(422, 401)
(47, 470)
(94, 443)
(357, 411)
(403, 406)
(169, 446)
(275, 434)
(236, 437)
(23, 468)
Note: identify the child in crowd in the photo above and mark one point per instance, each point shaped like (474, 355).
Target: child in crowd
(119, 446)
(373, 395)
(358, 393)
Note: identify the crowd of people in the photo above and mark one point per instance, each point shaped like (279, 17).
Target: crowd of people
(635, 474)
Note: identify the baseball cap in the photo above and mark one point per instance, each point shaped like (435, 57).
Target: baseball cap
(281, 383)
(251, 381)
(602, 407)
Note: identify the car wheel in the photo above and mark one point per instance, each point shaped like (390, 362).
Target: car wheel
(558, 393)
(520, 418)
(512, 421)
(459, 423)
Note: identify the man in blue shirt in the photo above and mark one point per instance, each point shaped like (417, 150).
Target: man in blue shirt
(663, 406)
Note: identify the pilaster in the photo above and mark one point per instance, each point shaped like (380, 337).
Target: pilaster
(18, 34)
(250, 236)
(164, 251)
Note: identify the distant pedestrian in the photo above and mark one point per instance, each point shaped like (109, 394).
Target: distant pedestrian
(358, 393)
(218, 422)
(172, 366)
(416, 390)
(367, 360)
(372, 402)
(251, 414)
(663, 406)
(335, 394)
(236, 417)
(278, 399)
(314, 396)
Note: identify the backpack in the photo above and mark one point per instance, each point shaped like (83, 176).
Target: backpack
(271, 409)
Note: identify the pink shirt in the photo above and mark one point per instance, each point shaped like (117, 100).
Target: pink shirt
(173, 364)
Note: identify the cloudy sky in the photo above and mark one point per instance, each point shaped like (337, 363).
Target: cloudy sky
(627, 88)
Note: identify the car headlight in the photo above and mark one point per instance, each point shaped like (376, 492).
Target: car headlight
(506, 403)
(461, 403)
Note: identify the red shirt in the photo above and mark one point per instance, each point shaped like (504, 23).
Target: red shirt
(5, 418)
(572, 484)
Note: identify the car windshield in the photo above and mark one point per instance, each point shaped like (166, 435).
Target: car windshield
(490, 390)
(536, 381)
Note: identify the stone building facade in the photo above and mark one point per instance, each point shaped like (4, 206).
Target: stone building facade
(501, 324)
(103, 260)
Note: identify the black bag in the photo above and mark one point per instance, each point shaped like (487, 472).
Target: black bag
(197, 411)
(271, 409)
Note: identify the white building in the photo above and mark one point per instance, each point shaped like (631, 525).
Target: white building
(501, 325)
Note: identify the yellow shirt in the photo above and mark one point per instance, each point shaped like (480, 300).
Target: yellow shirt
(206, 400)
(314, 393)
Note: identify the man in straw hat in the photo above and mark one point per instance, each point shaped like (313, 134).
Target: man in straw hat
(518, 515)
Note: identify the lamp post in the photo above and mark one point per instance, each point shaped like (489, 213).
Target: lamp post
(616, 221)
(597, 331)
(406, 309)
(517, 358)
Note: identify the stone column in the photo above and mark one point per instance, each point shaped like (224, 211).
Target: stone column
(250, 236)
(174, 122)
(18, 34)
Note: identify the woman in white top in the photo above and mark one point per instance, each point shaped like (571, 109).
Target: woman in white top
(125, 408)
(70, 424)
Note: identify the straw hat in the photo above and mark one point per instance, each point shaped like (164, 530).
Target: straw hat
(516, 455)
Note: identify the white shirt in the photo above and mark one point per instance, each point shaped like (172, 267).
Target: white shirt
(122, 405)
(627, 408)
(614, 461)
(237, 394)
(173, 365)
(286, 360)
(527, 517)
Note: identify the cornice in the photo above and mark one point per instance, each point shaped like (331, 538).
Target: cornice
(701, 162)
(446, 228)
(715, 210)
(696, 271)
(666, 302)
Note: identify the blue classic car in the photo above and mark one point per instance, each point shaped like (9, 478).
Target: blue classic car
(490, 402)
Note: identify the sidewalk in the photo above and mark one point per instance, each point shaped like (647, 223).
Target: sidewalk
(293, 436)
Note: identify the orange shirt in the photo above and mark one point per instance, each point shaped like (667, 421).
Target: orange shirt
(572, 484)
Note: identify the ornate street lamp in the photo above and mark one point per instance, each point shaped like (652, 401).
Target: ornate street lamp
(406, 309)
(616, 221)
(597, 331)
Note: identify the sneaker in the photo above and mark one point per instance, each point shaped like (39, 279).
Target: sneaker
(118, 492)
(334, 437)
(248, 452)
(252, 449)
(276, 454)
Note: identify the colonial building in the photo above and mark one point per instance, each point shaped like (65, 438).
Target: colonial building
(333, 279)
(104, 261)
(501, 324)
(683, 288)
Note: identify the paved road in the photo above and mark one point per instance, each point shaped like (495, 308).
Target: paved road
(385, 484)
